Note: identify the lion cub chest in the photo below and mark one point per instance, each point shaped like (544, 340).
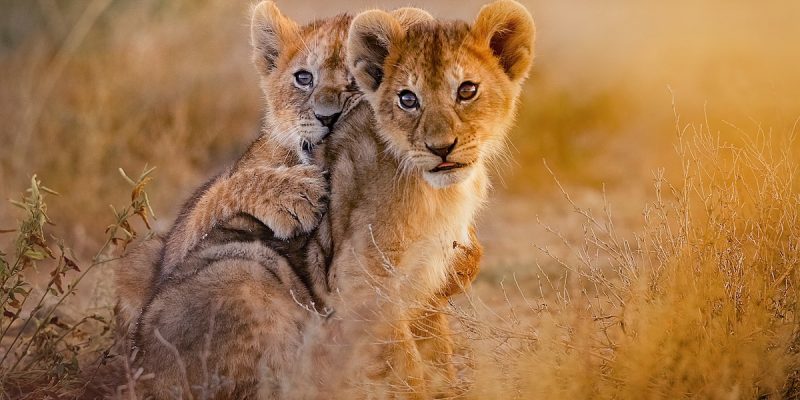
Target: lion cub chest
(400, 229)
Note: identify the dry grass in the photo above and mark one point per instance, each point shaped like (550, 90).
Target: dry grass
(702, 303)
(46, 351)
(93, 91)
(696, 300)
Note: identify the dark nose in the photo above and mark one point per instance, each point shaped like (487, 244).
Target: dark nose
(442, 151)
(328, 120)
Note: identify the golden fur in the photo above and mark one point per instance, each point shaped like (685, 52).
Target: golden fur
(393, 215)
(273, 181)
(232, 279)
(392, 231)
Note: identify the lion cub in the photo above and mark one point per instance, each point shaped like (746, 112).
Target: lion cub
(307, 88)
(278, 181)
(441, 97)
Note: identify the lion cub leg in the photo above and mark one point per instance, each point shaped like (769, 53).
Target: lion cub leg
(434, 341)
(464, 267)
(432, 329)
(288, 200)
(394, 368)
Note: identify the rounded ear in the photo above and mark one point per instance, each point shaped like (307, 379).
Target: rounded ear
(507, 28)
(408, 16)
(270, 31)
(371, 36)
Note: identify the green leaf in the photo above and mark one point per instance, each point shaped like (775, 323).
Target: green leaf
(34, 255)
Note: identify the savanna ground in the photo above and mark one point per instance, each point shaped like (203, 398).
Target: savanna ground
(658, 259)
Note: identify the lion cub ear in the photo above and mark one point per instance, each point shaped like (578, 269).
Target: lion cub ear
(270, 33)
(507, 28)
(408, 16)
(372, 34)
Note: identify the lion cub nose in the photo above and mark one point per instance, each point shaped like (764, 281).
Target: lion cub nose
(442, 150)
(328, 120)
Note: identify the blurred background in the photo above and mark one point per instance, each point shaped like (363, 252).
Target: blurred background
(90, 86)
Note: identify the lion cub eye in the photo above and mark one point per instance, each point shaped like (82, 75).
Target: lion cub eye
(303, 78)
(408, 100)
(467, 90)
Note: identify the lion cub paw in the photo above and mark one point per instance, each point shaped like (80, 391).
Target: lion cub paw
(294, 202)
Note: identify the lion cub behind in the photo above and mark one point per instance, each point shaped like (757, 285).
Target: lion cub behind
(307, 88)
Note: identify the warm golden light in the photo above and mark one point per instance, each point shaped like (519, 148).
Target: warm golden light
(642, 238)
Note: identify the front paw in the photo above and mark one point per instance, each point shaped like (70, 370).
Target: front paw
(299, 199)
(464, 267)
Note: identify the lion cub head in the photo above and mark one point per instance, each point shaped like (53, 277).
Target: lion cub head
(443, 92)
(303, 74)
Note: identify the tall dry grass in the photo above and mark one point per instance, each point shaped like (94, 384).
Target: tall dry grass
(701, 303)
(698, 303)
(94, 85)
(45, 350)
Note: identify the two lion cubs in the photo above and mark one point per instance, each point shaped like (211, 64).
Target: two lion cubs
(383, 127)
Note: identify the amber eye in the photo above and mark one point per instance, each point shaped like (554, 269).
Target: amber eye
(467, 90)
(408, 100)
(303, 78)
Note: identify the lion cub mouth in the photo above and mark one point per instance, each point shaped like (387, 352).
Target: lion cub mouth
(447, 166)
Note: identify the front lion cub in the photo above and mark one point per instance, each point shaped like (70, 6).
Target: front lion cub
(442, 97)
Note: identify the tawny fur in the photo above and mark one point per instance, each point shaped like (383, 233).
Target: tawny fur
(271, 183)
(393, 217)
(385, 258)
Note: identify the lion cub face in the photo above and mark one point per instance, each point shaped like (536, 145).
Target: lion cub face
(443, 92)
(303, 74)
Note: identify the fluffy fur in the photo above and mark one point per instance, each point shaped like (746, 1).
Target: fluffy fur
(394, 216)
(256, 285)
(273, 180)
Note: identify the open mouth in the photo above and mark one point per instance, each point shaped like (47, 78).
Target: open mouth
(447, 166)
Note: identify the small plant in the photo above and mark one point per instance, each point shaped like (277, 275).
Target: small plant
(43, 349)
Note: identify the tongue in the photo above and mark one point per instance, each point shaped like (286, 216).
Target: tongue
(446, 164)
